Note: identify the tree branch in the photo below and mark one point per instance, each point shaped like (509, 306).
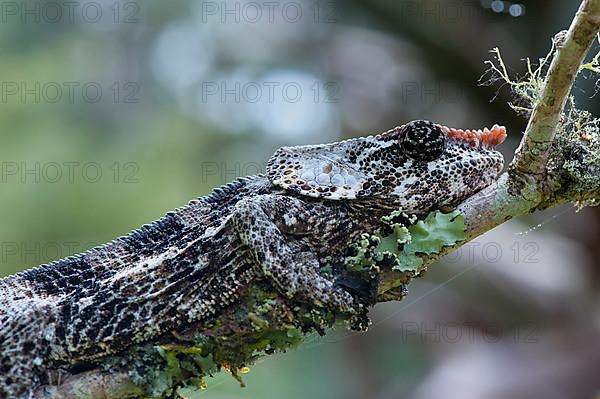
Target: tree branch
(532, 155)
(543, 173)
(527, 186)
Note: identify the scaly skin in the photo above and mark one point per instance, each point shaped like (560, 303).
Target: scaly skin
(314, 202)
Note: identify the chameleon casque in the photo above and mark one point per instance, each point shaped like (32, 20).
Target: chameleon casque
(313, 202)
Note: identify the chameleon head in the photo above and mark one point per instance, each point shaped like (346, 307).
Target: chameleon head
(415, 167)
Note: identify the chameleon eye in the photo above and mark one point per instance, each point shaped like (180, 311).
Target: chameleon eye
(422, 140)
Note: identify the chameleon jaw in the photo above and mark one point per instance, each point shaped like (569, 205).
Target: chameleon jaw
(481, 138)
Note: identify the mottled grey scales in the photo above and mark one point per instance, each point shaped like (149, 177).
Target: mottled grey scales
(312, 204)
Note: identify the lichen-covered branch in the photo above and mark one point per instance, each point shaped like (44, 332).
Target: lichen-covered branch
(557, 161)
(571, 48)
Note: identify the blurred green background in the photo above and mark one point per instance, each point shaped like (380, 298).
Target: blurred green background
(113, 113)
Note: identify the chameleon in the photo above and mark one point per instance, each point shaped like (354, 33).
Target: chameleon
(311, 203)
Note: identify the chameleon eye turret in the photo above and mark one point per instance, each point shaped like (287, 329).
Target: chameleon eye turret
(422, 140)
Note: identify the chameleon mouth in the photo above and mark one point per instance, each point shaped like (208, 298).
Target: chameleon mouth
(481, 138)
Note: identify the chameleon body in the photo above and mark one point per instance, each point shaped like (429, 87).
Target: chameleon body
(313, 203)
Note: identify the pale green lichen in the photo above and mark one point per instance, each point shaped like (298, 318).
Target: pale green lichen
(404, 240)
(429, 236)
(526, 90)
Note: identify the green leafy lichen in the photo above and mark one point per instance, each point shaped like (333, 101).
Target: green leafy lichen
(402, 245)
(428, 237)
